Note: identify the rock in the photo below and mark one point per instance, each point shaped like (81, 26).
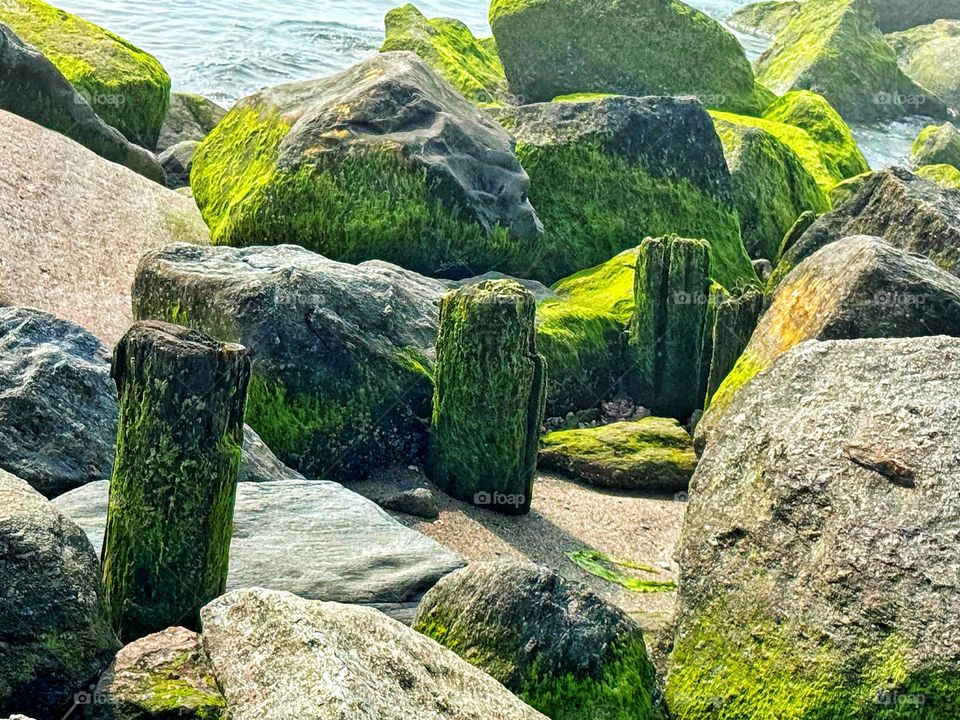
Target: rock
(947, 176)
(930, 54)
(858, 287)
(384, 160)
(419, 502)
(189, 117)
(907, 211)
(259, 464)
(58, 408)
(902, 14)
(468, 63)
(763, 268)
(771, 186)
(124, 85)
(815, 580)
(312, 538)
(552, 642)
(488, 402)
(841, 193)
(653, 455)
(813, 114)
(549, 49)
(341, 353)
(937, 145)
(55, 635)
(765, 18)
(278, 656)
(32, 87)
(165, 675)
(74, 227)
(177, 162)
(834, 48)
(576, 151)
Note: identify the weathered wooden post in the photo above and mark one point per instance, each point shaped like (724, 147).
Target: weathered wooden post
(170, 518)
(489, 398)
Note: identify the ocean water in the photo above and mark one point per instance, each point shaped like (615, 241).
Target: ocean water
(227, 49)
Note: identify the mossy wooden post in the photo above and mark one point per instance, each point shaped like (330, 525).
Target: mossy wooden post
(736, 319)
(489, 398)
(170, 517)
(666, 332)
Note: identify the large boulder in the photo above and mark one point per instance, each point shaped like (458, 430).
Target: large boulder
(468, 63)
(32, 87)
(902, 14)
(385, 160)
(858, 287)
(54, 633)
(652, 455)
(765, 18)
(74, 226)
(312, 538)
(161, 676)
(930, 54)
(937, 145)
(820, 548)
(549, 48)
(771, 186)
(126, 86)
(277, 656)
(58, 405)
(341, 353)
(907, 211)
(833, 47)
(606, 172)
(555, 644)
(189, 117)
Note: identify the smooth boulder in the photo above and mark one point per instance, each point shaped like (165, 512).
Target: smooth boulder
(930, 54)
(819, 552)
(937, 145)
(55, 632)
(277, 656)
(189, 117)
(75, 225)
(558, 646)
(384, 160)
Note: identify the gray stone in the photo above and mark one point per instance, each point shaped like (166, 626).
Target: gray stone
(32, 87)
(930, 54)
(177, 162)
(279, 657)
(820, 549)
(418, 502)
(902, 14)
(189, 117)
(58, 406)
(54, 633)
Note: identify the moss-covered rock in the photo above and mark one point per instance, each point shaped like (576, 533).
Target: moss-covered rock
(937, 145)
(126, 86)
(814, 114)
(605, 173)
(189, 118)
(845, 190)
(653, 454)
(550, 48)
(470, 64)
(813, 550)
(947, 176)
(895, 15)
(385, 160)
(833, 47)
(733, 324)
(489, 398)
(930, 54)
(771, 186)
(559, 647)
(765, 18)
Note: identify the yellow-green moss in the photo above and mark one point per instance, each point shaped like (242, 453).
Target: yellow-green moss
(944, 175)
(767, 17)
(126, 86)
(845, 190)
(937, 145)
(744, 371)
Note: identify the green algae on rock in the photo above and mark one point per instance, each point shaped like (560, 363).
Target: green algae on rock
(834, 48)
(734, 322)
(814, 114)
(179, 437)
(346, 167)
(930, 54)
(771, 185)
(470, 64)
(549, 48)
(126, 86)
(947, 176)
(845, 190)
(766, 18)
(653, 454)
(516, 621)
(489, 397)
(937, 145)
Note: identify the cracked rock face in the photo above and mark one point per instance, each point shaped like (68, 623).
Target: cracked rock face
(820, 548)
